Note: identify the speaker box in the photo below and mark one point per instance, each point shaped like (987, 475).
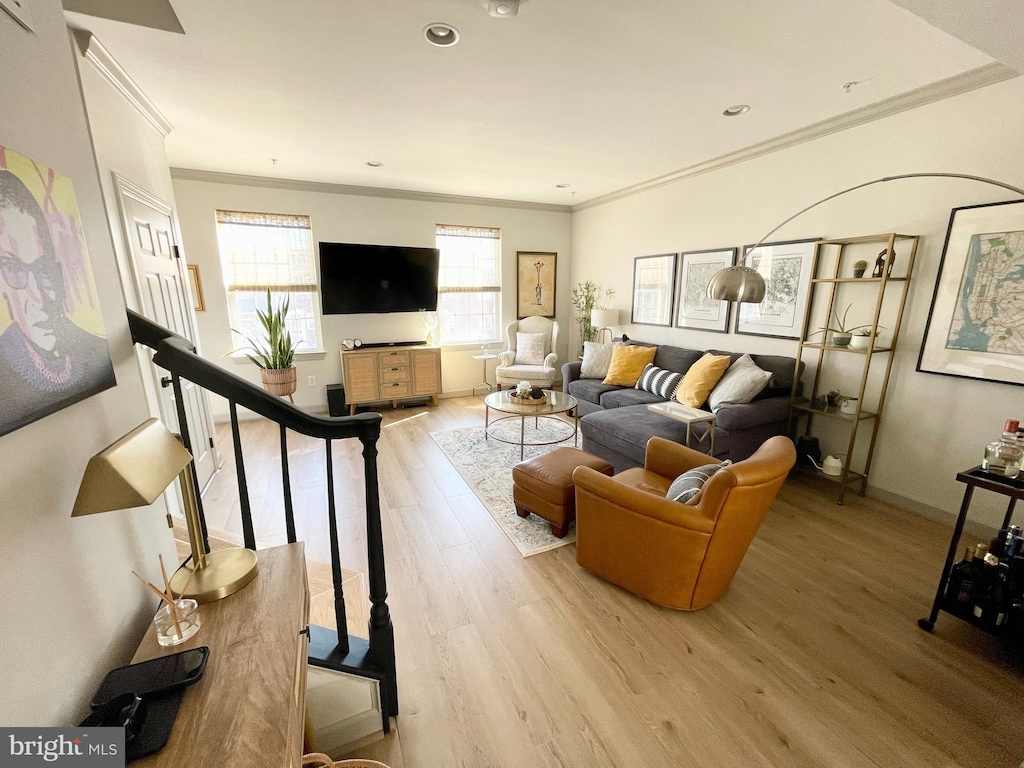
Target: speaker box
(336, 400)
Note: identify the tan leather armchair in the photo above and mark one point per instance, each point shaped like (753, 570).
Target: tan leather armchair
(673, 554)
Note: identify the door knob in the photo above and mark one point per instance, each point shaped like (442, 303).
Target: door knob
(165, 381)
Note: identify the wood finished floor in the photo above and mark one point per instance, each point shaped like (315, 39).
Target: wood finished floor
(813, 658)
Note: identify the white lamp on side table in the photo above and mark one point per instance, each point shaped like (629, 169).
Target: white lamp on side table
(603, 320)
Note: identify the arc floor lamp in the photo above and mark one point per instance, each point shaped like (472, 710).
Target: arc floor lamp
(745, 284)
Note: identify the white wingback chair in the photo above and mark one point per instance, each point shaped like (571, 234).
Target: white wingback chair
(539, 375)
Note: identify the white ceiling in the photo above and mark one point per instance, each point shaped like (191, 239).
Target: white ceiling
(600, 94)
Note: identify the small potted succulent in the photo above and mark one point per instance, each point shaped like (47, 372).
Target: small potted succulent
(832, 400)
(861, 338)
(860, 268)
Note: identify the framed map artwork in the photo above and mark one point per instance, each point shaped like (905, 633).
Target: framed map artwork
(975, 326)
(786, 269)
(695, 309)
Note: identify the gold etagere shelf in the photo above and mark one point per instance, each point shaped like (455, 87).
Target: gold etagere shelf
(832, 285)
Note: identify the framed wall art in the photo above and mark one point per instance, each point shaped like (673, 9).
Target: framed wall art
(975, 326)
(198, 303)
(53, 347)
(695, 310)
(786, 269)
(654, 283)
(535, 284)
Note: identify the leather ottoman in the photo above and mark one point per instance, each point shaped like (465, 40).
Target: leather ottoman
(543, 485)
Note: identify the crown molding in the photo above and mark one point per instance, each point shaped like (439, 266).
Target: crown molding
(92, 49)
(980, 77)
(216, 177)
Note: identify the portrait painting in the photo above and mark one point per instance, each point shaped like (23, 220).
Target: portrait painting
(53, 350)
(535, 284)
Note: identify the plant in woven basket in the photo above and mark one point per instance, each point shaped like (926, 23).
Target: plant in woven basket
(274, 355)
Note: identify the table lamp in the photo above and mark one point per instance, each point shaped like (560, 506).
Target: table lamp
(133, 472)
(603, 320)
(743, 283)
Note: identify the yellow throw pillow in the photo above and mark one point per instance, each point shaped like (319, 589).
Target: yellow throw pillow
(628, 363)
(698, 382)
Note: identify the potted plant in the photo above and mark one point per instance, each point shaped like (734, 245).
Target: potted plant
(861, 338)
(860, 268)
(840, 333)
(832, 400)
(275, 354)
(584, 300)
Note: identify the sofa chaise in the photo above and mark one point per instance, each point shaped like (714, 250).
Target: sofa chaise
(616, 424)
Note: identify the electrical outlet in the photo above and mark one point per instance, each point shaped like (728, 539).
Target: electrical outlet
(311, 380)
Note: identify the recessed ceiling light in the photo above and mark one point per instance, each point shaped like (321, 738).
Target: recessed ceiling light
(561, 186)
(503, 9)
(374, 163)
(737, 109)
(441, 34)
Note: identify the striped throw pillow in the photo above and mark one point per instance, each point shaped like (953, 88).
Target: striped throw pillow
(685, 488)
(659, 381)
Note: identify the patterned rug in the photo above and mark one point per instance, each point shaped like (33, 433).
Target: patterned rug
(486, 466)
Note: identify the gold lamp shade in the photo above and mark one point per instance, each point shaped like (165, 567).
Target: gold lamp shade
(132, 472)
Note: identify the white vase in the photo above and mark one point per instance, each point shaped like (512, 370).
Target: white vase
(860, 342)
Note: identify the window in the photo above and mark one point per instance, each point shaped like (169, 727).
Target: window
(269, 250)
(468, 283)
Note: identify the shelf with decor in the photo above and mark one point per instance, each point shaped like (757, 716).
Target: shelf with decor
(833, 260)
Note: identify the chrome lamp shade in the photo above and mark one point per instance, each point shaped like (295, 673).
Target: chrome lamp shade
(738, 283)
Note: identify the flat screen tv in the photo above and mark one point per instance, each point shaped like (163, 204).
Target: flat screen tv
(361, 279)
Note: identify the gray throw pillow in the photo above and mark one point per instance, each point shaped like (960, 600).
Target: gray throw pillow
(688, 484)
(742, 382)
(597, 358)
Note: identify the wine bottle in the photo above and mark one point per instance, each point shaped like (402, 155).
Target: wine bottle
(992, 603)
(960, 588)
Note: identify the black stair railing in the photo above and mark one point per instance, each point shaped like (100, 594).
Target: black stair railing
(373, 658)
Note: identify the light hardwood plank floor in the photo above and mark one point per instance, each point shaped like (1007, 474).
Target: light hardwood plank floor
(813, 658)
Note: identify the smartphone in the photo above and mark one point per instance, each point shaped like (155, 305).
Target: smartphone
(154, 676)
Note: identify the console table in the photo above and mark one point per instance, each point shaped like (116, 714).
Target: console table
(391, 373)
(249, 707)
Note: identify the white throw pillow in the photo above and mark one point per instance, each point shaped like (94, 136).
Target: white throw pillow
(530, 348)
(597, 359)
(740, 384)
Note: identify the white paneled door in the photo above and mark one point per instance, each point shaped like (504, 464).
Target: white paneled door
(161, 287)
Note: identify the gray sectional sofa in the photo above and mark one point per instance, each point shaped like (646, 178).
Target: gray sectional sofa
(616, 424)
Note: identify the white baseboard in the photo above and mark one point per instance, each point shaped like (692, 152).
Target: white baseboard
(975, 527)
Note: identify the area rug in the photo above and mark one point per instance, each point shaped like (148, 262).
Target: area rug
(486, 466)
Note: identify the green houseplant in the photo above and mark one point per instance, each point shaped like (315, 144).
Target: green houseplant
(841, 334)
(584, 301)
(859, 268)
(274, 355)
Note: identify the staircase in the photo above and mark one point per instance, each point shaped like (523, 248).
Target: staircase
(368, 654)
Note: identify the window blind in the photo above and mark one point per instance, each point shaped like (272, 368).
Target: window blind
(468, 265)
(266, 250)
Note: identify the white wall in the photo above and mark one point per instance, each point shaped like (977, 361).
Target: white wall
(128, 144)
(934, 426)
(71, 609)
(358, 219)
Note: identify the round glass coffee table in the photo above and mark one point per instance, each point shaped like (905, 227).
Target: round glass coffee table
(554, 403)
